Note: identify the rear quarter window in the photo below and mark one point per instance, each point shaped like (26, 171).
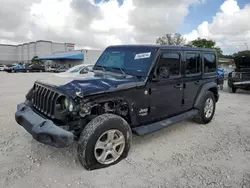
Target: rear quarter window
(209, 62)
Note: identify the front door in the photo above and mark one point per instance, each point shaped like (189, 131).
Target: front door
(167, 91)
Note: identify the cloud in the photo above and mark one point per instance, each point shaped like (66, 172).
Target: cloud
(88, 24)
(230, 27)
(152, 19)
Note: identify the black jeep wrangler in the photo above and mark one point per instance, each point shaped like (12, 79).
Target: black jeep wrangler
(135, 88)
(240, 77)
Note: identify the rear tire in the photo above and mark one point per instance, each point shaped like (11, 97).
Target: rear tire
(99, 146)
(206, 112)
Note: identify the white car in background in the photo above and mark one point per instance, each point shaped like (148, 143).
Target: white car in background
(83, 70)
(3, 67)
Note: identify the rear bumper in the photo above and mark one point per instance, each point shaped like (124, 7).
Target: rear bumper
(243, 83)
(42, 130)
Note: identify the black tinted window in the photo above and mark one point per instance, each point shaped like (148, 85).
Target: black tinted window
(193, 63)
(209, 63)
(170, 63)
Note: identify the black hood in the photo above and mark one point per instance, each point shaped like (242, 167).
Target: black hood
(85, 86)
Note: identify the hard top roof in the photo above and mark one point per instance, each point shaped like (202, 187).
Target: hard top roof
(245, 55)
(186, 48)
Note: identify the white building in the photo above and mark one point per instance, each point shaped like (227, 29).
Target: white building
(52, 53)
(23, 53)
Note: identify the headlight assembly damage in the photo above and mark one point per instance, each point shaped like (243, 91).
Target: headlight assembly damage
(66, 104)
(83, 108)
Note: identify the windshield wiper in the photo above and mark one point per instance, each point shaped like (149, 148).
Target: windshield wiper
(101, 67)
(118, 68)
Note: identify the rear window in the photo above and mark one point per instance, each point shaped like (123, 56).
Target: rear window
(193, 63)
(243, 61)
(209, 62)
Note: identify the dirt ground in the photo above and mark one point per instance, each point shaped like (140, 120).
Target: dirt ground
(184, 155)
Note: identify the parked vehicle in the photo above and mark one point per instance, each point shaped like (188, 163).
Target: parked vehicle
(52, 69)
(82, 69)
(135, 88)
(16, 68)
(240, 77)
(35, 68)
(220, 80)
(27, 68)
(3, 67)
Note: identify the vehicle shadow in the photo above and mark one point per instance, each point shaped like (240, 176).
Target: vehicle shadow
(175, 128)
(67, 157)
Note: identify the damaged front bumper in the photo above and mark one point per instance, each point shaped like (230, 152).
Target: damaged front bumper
(42, 130)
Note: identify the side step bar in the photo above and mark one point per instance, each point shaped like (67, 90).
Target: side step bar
(146, 129)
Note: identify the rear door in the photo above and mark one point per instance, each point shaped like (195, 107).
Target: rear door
(192, 77)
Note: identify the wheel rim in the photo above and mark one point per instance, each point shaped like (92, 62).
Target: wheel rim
(209, 107)
(109, 147)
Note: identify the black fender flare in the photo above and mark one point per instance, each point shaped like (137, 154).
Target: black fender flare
(211, 86)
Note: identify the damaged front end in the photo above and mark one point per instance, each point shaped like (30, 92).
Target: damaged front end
(49, 116)
(55, 118)
(43, 130)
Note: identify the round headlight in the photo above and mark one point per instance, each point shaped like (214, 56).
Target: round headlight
(71, 107)
(66, 103)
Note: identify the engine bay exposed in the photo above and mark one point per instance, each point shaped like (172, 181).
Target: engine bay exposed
(115, 107)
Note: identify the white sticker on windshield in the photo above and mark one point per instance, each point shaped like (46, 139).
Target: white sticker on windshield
(143, 55)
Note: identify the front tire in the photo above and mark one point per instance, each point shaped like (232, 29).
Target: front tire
(105, 141)
(207, 109)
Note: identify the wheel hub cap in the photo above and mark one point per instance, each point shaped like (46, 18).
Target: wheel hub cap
(109, 147)
(209, 107)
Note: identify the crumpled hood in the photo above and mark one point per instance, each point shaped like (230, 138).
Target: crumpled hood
(84, 86)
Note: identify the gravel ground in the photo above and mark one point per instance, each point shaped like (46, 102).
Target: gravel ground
(184, 155)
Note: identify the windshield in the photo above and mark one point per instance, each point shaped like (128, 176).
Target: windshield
(134, 60)
(75, 69)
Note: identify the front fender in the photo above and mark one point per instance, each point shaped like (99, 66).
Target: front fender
(131, 105)
(211, 86)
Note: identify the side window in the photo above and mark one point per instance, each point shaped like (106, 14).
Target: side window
(169, 65)
(209, 62)
(193, 63)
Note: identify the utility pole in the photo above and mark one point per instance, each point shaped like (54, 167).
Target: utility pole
(246, 45)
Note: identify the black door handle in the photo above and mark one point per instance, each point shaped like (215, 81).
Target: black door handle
(197, 82)
(178, 86)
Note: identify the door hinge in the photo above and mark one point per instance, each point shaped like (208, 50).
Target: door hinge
(149, 91)
(182, 101)
(184, 86)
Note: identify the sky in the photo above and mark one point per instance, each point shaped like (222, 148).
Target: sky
(99, 23)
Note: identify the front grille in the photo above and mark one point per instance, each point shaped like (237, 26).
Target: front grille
(245, 75)
(44, 100)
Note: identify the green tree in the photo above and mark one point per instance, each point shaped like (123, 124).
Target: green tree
(204, 43)
(171, 39)
(33, 60)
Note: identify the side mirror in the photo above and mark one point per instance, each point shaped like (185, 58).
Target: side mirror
(155, 78)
